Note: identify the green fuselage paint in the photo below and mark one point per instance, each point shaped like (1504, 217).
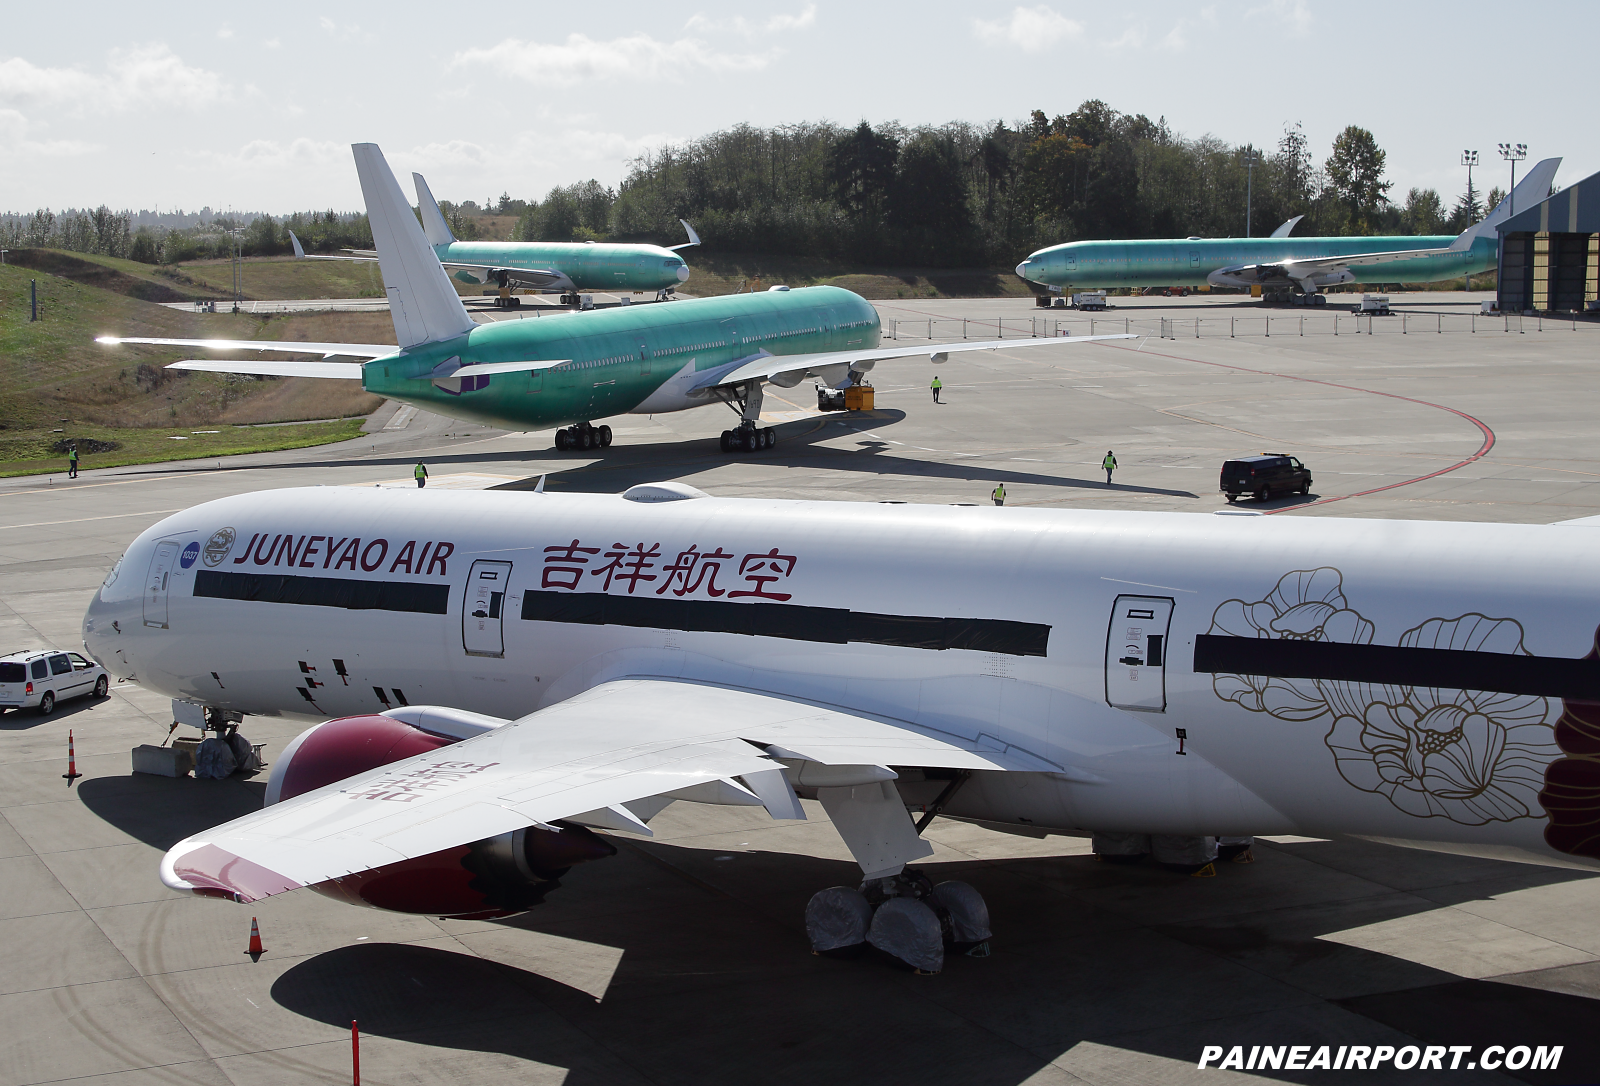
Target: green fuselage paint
(1177, 261)
(620, 358)
(609, 267)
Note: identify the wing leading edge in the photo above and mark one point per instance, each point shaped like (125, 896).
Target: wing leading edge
(582, 760)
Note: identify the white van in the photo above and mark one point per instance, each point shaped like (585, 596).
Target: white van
(42, 679)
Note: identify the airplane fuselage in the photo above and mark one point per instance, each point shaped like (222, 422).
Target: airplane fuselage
(1179, 261)
(629, 359)
(595, 266)
(1166, 672)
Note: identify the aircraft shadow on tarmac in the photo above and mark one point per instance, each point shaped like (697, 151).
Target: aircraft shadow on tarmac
(162, 811)
(684, 968)
(800, 444)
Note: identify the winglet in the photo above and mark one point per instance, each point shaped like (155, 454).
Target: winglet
(433, 221)
(424, 306)
(694, 239)
(1284, 230)
(538, 488)
(1535, 186)
(299, 250)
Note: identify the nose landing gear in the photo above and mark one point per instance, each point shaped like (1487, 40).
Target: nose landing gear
(584, 437)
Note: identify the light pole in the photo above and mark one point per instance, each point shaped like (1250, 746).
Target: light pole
(1469, 159)
(1249, 172)
(1513, 153)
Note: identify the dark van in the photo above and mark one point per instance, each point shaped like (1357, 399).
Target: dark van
(1264, 476)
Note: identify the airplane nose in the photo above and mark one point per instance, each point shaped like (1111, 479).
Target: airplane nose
(683, 273)
(1023, 269)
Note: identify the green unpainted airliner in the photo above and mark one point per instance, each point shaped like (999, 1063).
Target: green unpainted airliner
(567, 370)
(567, 267)
(1284, 267)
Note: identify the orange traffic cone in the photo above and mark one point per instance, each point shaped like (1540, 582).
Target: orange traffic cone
(72, 773)
(256, 949)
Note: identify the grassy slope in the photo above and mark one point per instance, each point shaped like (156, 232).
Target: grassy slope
(53, 370)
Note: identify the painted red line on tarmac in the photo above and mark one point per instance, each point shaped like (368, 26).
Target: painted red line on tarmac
(1483, 449)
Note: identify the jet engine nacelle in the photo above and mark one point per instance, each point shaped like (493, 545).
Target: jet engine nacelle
(497, 876)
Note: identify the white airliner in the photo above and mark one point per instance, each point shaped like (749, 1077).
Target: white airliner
(509, 668)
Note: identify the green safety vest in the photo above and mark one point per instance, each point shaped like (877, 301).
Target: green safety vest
(73, 455)
(1109, 462)
(421, 472)
(1000, 491)
(937, 383)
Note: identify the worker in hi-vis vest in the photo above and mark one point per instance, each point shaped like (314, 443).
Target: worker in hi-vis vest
(936, 386)
(999, 494)
(421, 473)
(1110, 464)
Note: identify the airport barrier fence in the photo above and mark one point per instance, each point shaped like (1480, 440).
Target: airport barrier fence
(1232, 327)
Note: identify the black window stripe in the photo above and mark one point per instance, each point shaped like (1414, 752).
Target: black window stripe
(828, 625)
(353, 595)
(1451, 669)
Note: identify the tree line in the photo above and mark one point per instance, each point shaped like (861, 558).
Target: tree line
(956, 194)
(109, 233)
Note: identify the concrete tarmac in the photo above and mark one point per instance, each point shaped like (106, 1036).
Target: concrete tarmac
(683, 960)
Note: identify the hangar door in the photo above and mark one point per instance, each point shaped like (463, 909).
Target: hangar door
(1136, 653)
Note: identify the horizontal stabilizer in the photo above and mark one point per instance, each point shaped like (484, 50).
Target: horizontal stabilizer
(453, 368)
(326, 350)
(344, 371)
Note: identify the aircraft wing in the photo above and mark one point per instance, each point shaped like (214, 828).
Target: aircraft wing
(788, 370)
(362, 255)
(580, 760)
(532, 278)
(694, 239)
(326, 350)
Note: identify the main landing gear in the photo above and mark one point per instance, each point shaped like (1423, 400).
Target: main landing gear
(905, 917)
(748, 437)
(583, 437)
(505, 300)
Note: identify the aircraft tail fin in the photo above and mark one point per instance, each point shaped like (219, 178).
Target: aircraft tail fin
(433, 222)
(1535, 186)
(422, 303)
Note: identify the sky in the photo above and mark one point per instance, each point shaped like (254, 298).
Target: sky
(184, 105)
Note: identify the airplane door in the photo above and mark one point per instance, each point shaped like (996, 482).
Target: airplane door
(482, 632)
(155, 585)
(1194, 258)
(1136, 653)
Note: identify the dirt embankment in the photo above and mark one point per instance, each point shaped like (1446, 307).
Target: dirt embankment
(91, 274)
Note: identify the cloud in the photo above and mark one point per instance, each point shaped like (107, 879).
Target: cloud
(581, 58)
(1033, 30)
(135, 77)
(302, 152)
(1294, 15)
(15, 139)
(773, 24)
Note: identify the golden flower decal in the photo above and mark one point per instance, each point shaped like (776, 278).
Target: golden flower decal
(1306, 605)
(1468, 756)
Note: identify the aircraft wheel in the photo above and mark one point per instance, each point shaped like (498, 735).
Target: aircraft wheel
(722, 441)
(586, 439)
(771, 436)
(561, 439)
(752, 440)
(605, 437)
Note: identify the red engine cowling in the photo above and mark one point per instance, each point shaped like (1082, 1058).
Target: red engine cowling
(494, 877)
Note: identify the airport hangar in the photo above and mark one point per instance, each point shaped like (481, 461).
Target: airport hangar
(1550, 253)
